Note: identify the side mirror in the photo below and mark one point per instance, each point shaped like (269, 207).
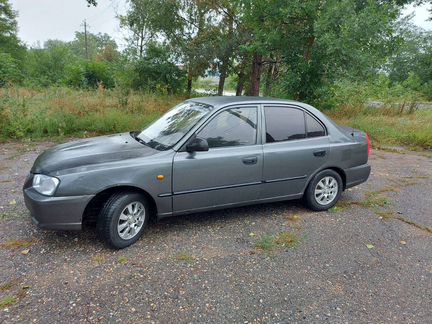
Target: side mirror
(197, 145)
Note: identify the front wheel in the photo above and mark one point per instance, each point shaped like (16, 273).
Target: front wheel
(324, 190)
(123, 219)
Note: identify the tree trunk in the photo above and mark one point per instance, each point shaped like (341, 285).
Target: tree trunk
(256, 75)
(240, 83)
(308, 52)
(222, 77)
(269, 79)
(141, 43)
(189, 83)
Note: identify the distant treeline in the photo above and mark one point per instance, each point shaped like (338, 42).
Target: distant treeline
(304, 50)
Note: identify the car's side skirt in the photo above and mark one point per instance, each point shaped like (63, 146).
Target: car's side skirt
(233, 205)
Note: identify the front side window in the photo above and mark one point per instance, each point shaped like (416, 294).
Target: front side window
(232, 127)
(284, 124)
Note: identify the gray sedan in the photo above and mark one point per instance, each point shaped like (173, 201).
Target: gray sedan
(204, 154)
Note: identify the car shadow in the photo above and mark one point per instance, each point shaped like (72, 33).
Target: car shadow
(88, 238)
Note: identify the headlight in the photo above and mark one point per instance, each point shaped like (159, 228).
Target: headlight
(44, 184)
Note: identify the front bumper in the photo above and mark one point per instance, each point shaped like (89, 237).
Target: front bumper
(56, 213)
(357, 175)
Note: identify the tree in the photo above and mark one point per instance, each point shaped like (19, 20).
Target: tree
(313, 43)
(10, 46)
(9, 70)
(138, 20)
(411, 63)
(156, 72)
(46, 66)
(89, 75)
(97, 45)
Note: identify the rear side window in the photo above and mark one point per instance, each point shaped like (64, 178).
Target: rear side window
(314, 127)
(284, 124)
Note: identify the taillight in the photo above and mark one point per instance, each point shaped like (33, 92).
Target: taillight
(369, 143)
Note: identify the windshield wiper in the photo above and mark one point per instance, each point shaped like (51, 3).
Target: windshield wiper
(156, 145)
(138, 139)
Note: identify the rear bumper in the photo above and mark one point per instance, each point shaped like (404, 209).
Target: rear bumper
(357, 175)
(56, 213)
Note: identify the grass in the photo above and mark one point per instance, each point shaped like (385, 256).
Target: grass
(64, 112)
(184, 257)
(16, 244)
(389, 126)
(9, 284)
(385, 214)
(270, 243)
(58, 112)
(122, 259)
(98, 259)
(7, 301)
(374, 199)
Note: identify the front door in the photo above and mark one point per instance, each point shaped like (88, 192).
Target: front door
(296, 146)
(230, 172)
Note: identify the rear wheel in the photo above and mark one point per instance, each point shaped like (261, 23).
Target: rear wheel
(123, 219)
(324, 190)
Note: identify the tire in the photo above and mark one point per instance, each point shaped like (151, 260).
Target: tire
(317, 200)
(123, 219)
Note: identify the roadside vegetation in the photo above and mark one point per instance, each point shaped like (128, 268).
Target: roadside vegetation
(27, 114)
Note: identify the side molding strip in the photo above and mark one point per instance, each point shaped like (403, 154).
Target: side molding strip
(229, 186)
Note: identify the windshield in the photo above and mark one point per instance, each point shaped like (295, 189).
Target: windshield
(171, 127)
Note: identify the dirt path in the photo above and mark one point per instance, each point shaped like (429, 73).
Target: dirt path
(368, 260)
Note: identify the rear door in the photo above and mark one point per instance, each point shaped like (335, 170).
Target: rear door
(230, 172)
(296, 145)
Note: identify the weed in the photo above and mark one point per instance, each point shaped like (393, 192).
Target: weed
(387, 130)
(388, 189)
(294, 218)
(385, 214)
(265, 243)
(335, 209)
(65, 112)
(10, 284)
(122, 259)
(412, 223)
(59, 112)
(373, 199)
(184, 257)
(341, 205)
(16, 244)
(286, 239)
(269, 243)
(98, 259)
(7, 301)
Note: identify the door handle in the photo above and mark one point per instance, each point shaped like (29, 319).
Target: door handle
(319, 153)
(250, 160)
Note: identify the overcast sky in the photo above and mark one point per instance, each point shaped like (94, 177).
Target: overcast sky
(41, 20)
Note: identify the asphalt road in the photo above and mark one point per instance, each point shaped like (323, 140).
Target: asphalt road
(367, 261)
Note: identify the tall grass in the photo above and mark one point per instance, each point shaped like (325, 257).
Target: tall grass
(389, 125)
(26, 113)
(57, 112)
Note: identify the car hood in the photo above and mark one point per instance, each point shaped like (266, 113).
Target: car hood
(90, 151)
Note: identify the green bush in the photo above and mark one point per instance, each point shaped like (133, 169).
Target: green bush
(89, 75)
(9, 70)
(156, 73)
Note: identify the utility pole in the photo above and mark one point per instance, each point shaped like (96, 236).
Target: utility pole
(85, 39)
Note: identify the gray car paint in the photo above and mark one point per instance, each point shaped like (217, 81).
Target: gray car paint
(193, 181)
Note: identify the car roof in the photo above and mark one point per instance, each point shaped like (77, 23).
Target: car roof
(218, 101)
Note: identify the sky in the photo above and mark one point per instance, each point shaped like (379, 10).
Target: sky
(40, 20)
